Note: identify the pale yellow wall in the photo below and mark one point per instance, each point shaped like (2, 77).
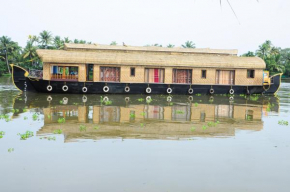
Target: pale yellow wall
(96, 114)
(83, 114)
(242, 79)
(82, 72)
(46, 71)
(139, 74)
(210, 76)
(168, 75)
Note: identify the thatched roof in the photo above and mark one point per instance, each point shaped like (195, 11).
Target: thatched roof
(149, 59)
(95, 47)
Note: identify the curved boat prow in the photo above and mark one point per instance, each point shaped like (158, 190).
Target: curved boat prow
(274, 85)
(19, 78)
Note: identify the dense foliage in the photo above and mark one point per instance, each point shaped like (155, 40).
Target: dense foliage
(277, 60)
(11, 52)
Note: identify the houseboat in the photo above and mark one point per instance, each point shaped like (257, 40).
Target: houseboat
(106, 69)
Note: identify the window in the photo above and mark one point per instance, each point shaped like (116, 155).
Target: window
(251, 73)
(67, 73)
(154, 75)
(182, 76)
(90, 72)
(110, 74)
(132, 72)
(203, 74)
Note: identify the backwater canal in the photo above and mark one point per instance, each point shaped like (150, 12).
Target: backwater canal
(135, 143)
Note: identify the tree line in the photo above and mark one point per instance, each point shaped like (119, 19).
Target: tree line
(277, 59)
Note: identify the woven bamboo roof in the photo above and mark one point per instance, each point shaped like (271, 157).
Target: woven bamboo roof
(156, 60)
(95, 47)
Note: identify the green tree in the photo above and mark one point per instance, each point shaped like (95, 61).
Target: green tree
(188, 44)
(113, 43)
(264, 50)
(249, 54)
(170, 46)
(45, 38)
(9, 50)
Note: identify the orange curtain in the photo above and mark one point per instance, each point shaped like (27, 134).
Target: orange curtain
(225, 77)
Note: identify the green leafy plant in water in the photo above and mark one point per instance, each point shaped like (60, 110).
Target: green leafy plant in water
(283, 122)
(10, 150)
(195, 104)
(5, 117)
(83, 128)
(75, 103)
(254, 97)
(51, 138)
(61, 102)
(132, 115)
(170, 103)
(25, 118)
(35, 116)
(1, 134)
(108, 102)
(270, 106)
(26, 135)
(48, 116)
(179, 112)
(212, 124)
(24, 110)
(61, 120)
(140, 99)
(149, 100)
(142, 124)
(143, 113)
(57, 131)
(96, 127)
(192, 129)
(204, 127)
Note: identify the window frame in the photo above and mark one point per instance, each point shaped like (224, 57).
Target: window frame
(249, 76)
(132, 68)
(189, 78)
(202, 73)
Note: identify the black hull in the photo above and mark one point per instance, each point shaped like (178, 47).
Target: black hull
(28, 84)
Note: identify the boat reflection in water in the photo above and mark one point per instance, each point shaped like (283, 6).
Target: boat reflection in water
(140, 117)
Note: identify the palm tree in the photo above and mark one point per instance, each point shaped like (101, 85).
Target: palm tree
(58, 43)
(45, 38)
(113, 43)
(170, 46)
(156, 45)
(249, 54)
(67, 40)
(9, 49)
(188, 44)
(30, 52)
(264, 50)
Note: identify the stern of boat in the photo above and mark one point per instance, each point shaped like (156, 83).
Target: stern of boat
(20, 78)
(272, 84)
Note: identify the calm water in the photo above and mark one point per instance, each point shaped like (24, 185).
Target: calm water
(134, 143)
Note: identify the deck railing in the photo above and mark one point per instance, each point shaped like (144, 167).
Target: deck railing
(64, 77)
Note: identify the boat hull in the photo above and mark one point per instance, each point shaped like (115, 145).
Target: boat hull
(38, 85)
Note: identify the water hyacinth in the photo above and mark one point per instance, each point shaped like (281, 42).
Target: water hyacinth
(26, 135)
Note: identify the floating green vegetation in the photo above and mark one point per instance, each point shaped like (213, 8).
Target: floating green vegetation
(1, 134)
(143, 113)
(48, 116)
(254, 97)
(198, 94)
(50, 138)
(96, 127)
(10, 150)
(83, 128)
(25, 118)
(282, 122)
(108, 102)
(149, 100)
(192, 129)
(142, 124)
(170, 103)
(61, 120)
(242, 95)
(57, 131)
(25, 135)
(195, 104)
(179, 112)
(270, 106)
(204, 127)
(35, 117)
(61, 102)
(15, 110)
(5, 117)
(140, 99)
(212, 124)
(132, 115)
(75, 103)
(24, 110)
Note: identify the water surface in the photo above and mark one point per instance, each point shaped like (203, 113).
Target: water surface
(137, 143)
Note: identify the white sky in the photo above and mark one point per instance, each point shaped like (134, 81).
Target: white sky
(141, 22)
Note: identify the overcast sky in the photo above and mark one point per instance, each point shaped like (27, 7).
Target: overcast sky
(141, 22)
